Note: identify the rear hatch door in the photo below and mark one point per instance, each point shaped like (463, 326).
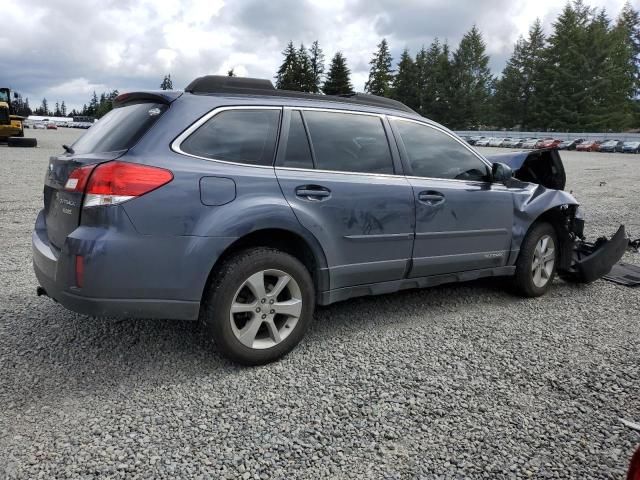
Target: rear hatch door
(106, 140)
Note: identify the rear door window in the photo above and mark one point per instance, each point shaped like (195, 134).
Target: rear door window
(297, 152)
(241, 136)
(349, 142)
(119, 129)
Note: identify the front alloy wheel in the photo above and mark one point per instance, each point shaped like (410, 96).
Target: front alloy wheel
(537, 260)
(544, 259)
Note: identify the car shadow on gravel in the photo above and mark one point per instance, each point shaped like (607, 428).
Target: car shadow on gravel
(52, 351)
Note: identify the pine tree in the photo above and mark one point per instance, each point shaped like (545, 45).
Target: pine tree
(337, 81)
(628, 26)
(44, 108)
(381, 73)
(316, 58)
(405, 83)
(516, 90)
(304, 73)
(613, 67)
(167, 83)
(472, 82)
(564, 81)
(286, 77)
(433, 73)
(231, 73)
(93, 105)
(63, 109)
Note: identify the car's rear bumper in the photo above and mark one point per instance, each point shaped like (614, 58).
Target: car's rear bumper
(126, 274)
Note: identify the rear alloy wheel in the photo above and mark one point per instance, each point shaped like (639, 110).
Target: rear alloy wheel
(536, 265)
(266, 309)
(260, 305)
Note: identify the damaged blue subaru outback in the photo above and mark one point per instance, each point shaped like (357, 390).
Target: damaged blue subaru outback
(244, 206)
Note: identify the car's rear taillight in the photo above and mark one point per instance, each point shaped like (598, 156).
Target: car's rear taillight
(77, 181)
(115, 182)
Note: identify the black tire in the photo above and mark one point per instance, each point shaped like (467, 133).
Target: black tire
(226, 282)
(22, 142)
(524, 277)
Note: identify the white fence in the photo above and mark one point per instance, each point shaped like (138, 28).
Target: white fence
(626, 137)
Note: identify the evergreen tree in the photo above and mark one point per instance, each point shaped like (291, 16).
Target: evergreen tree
(433, 72)
(167, 83)
(405, 83)
(304, 73)
(337, 81)
(63, 109)
(564, 81)
(516, 90)
(93, 104)
(381, 73)
(472, 82)
(613, 67)
(231, 73)
(628, 28)
(316, 58)
(287, 75)
(44, 108)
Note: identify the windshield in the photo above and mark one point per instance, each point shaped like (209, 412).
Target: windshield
(119, 129)
(4, 96)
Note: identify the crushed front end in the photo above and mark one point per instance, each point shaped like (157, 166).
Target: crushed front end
(580, 261)
(589, 261)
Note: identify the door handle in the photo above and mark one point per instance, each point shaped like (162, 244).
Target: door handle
(313, 192)
(431, 198)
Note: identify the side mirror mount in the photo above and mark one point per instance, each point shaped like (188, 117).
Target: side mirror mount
(501, 172)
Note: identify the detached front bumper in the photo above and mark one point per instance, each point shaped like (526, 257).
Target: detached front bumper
(591, 261)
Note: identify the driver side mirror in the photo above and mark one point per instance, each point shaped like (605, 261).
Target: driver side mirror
(501, 172)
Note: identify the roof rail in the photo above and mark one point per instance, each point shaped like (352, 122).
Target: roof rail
(219, 84)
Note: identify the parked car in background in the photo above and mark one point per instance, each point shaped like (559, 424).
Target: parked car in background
(39, 126)
(511, 142)
(549, 143)
(588, 146)
(570, 144)
(483, 142)
(531, 143)
(542, 141)
(472, 140)
(631, 147)
(611, 146)
(51, 126)
(497, 142)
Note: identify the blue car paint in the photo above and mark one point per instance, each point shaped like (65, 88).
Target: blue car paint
(151, 257)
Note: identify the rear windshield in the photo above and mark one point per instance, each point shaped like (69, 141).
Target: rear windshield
(119, 129)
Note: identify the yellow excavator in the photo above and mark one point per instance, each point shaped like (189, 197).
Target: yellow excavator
(12, 126)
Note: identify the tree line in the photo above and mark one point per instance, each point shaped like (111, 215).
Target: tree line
(585, 76)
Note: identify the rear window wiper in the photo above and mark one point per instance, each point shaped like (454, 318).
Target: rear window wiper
(68, 149)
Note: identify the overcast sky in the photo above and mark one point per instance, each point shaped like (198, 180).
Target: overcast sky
(65, 49)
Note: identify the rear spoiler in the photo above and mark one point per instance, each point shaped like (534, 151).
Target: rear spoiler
(151, 96)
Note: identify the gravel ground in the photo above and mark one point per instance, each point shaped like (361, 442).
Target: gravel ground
(461, 381)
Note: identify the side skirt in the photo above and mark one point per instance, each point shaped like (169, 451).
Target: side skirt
(340, 294)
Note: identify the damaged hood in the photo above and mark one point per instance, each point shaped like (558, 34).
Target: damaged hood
(543, 166)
